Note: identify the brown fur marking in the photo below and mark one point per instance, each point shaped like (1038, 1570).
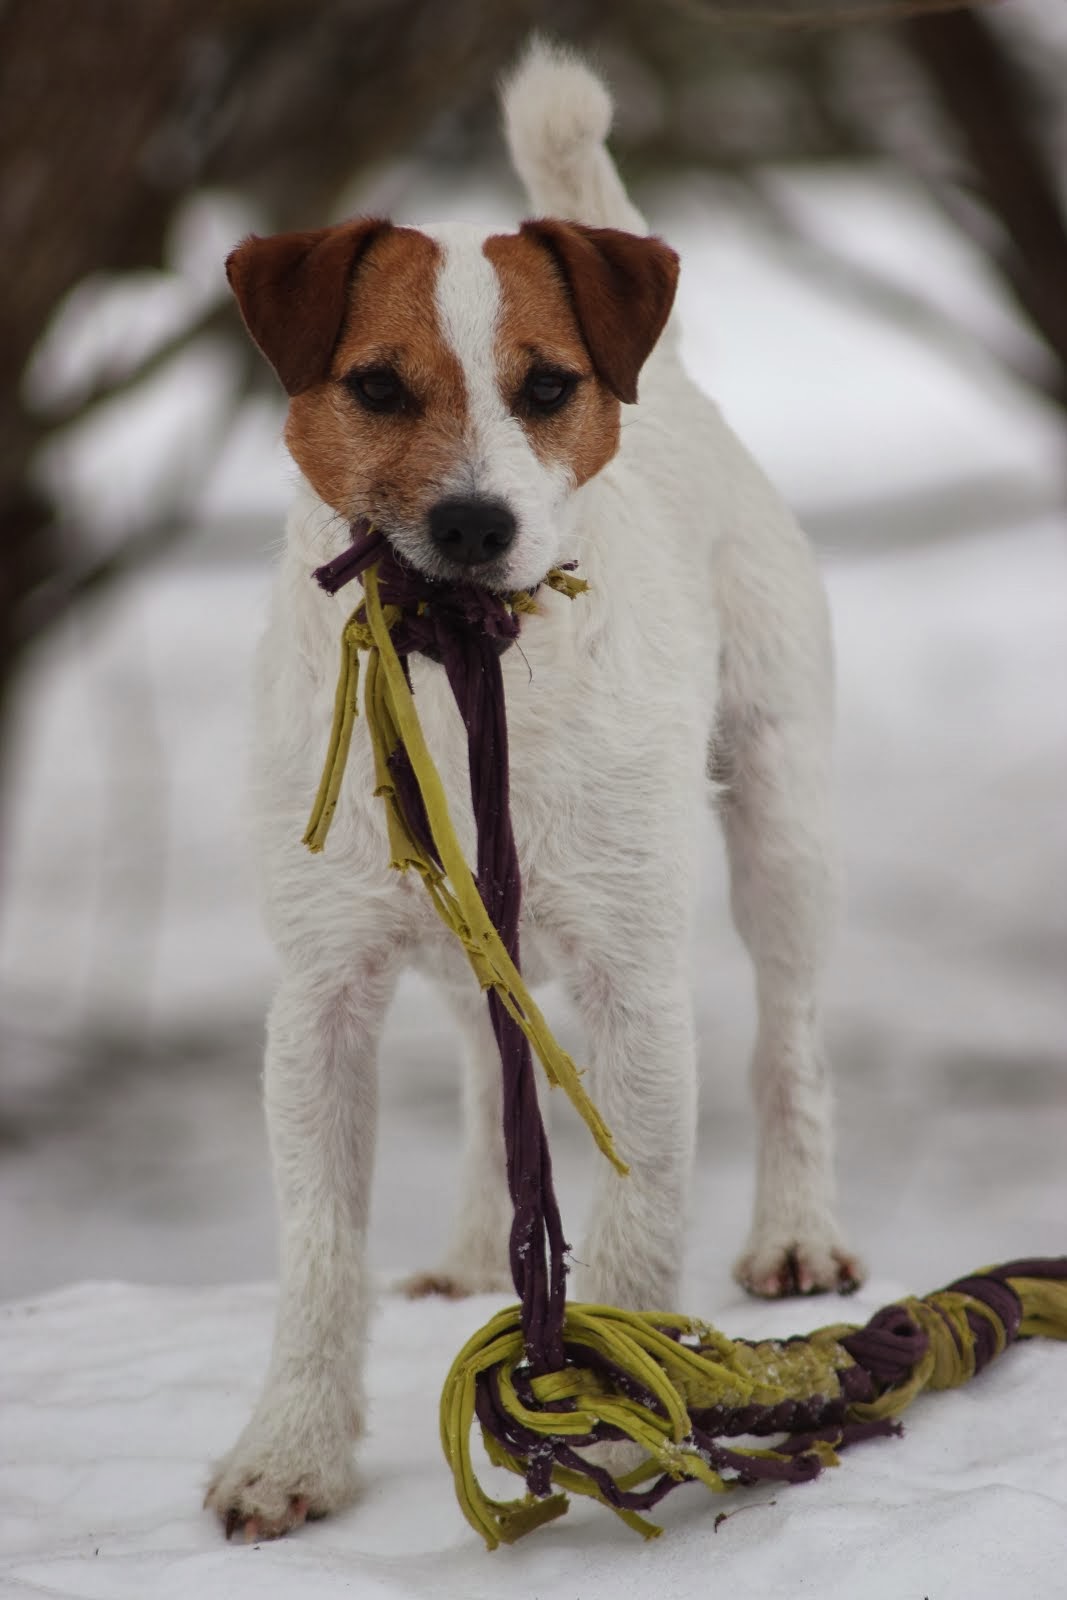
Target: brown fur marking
(385, 466)
(292, 291)
(538, 327)
(324, 304)
(622, 287)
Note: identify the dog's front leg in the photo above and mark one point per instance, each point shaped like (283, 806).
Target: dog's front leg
(640, 1034)
(294, 1459)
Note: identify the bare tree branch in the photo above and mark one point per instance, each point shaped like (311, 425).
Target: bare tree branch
(888, 299)
(988, 101)
(839, 13)
(85, 577)
(220, 318)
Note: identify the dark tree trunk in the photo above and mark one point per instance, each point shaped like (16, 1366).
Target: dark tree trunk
(112, 110)
(993, 108)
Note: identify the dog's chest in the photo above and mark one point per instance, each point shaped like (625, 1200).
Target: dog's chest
(607, 753)
(607, 726)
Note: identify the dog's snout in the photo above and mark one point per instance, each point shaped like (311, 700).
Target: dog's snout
(471, 531)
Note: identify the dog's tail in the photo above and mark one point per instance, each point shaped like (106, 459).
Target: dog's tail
(557, 115)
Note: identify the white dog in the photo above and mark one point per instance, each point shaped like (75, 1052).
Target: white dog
(464, 392)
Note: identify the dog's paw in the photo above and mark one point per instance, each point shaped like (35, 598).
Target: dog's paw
(456, 1283)
(263, 1490)
(774, 1269)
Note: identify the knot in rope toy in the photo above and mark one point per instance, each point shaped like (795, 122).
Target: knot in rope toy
(546, 1379)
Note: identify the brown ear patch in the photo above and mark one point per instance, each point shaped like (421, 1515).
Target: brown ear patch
(622, 287)
(538, 327)
(292, 289)
(388, 466)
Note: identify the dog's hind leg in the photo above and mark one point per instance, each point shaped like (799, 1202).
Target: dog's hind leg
(771, 763)
(476, 1261)
(634, 999)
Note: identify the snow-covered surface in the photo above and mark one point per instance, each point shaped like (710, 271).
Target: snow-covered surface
(133, 978)
(115, 1394)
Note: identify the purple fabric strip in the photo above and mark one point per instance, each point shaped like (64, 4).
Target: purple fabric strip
(888, 1347)
(1037, 1267)
(466, 629)
(538, 1249)
(366, 547)
(841, 1437)
(791, 1416)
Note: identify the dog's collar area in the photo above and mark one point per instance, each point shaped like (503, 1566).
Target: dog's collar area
(462, 627)
(432, 615)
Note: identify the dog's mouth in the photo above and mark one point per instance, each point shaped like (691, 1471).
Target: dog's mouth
(372, 539)
(429, 613)
(413, 549)
(495, 576)
(467, 539)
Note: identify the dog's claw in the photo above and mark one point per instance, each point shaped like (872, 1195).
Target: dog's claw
(797, 1270)
(848, 1278)
(255, 1528)
(259, 1494)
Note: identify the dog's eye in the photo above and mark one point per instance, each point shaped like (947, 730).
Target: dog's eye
(547, 390)
(376, 389)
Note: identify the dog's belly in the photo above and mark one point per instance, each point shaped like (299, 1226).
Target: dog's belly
(437, 955)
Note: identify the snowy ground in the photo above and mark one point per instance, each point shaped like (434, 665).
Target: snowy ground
(118, 1392)
(133, 978)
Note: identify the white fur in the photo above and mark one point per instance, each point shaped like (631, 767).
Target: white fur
(500, 462)
(557, 116)
(704, 630)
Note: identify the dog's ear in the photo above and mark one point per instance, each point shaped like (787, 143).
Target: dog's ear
(622, 286)
(292, 289)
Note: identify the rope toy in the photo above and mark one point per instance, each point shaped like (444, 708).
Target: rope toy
(545, 1379)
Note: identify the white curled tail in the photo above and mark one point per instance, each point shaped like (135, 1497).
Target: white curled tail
(557, 116)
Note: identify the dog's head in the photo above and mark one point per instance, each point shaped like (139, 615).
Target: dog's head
(453, 388)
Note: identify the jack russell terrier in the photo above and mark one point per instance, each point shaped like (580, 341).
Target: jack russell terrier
(465, 393)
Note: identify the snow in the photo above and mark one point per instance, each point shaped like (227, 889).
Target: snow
(114, 1394)
(134, 975)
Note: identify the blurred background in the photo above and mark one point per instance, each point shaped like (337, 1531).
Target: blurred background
(869, 203)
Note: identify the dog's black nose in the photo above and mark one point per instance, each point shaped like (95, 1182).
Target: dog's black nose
(471, 531)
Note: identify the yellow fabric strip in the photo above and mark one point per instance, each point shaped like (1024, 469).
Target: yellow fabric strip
(392, 720)
(345, 711)
(1044, 1306)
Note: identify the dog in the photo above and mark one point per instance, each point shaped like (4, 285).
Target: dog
(476, 398)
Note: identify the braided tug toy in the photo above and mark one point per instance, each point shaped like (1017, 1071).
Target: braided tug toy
(545, 1378)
